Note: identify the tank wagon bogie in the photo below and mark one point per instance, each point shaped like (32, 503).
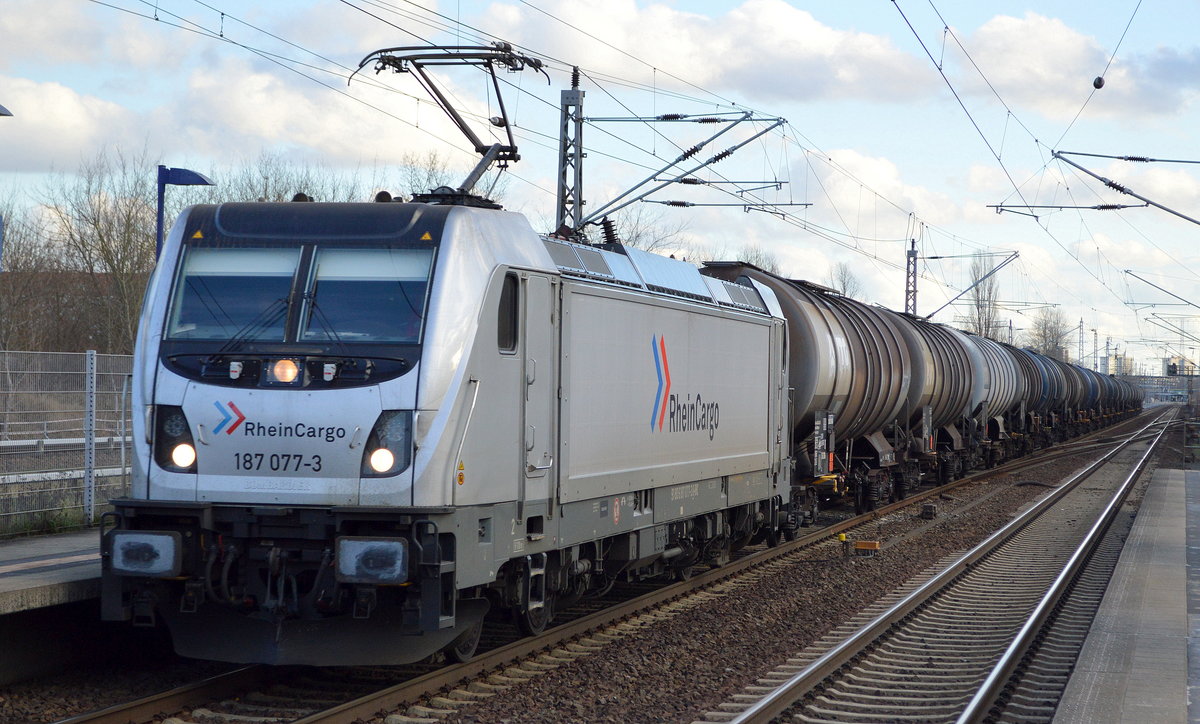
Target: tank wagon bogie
(363, 427)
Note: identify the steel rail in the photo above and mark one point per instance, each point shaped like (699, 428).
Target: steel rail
(777, 702)
(147, 708)
(994, 684)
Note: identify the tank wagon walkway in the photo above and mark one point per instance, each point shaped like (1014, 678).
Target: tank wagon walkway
(1141, 661)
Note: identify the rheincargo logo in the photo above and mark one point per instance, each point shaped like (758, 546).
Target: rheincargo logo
(226, 417)
(692, 415)
(658, 345)
(278, 429)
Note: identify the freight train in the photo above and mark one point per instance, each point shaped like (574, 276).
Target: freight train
(360, 428)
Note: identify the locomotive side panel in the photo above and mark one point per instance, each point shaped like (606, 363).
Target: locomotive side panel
(657, 392)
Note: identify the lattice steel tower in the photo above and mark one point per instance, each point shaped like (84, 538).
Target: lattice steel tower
(910, 280)
(570, 159)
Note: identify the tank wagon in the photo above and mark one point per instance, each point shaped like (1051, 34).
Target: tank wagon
(361, 428)
(881, 401)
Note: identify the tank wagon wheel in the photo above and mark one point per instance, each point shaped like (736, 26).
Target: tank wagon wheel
(463, 648)
(533, 622)
(862, 498)
(811, 508)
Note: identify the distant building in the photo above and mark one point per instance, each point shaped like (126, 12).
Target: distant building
(1118, 364)
(1183, 366)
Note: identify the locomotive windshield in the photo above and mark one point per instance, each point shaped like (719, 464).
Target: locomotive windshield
(322, 293)
(367, 295)
(226, 292)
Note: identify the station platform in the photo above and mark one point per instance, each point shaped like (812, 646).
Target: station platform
(49, 570)
(50, 605)
(1141, 660)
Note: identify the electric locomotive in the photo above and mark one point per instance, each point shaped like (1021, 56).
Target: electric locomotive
(361, 427)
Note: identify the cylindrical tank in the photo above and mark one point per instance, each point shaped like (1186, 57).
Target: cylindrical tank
(1055, 380)
(1037, 384)
(1075, 389)
(1004, 384)
(942, 371)
(1108, 391)
(845, 357)
(881, 366)
(1091, 387)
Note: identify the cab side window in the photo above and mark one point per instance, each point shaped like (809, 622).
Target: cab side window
(506, 322)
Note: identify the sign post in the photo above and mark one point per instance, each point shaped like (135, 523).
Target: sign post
(173, 177)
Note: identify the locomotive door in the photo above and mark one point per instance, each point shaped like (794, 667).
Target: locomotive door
(540, 327)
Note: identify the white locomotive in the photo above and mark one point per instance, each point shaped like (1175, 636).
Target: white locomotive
(361, 426)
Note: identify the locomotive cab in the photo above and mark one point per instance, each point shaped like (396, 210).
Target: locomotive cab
(280, 360)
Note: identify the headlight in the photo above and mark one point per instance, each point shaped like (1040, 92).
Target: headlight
(283, 371)
(174, 449)
(382, 460)
(389, 447)
(183, 455)
(372, 560)
(143, 553)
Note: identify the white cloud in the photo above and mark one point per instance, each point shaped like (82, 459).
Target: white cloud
(761, 51)
(56, 126)
(849, 196)
(233, 109)
(47, 31)
(1041, 63)
(987, 180)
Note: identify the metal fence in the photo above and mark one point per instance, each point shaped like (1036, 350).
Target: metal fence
(64, 437)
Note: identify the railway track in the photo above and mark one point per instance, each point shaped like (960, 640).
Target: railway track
(320, 695)
(950, 647)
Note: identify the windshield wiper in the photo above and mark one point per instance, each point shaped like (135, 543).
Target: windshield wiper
(326, 327)
(250, 331)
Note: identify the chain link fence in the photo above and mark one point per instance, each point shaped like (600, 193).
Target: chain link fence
(64, 438)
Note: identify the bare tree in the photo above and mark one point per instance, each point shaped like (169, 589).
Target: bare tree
(981, 318)
(420, 174)
(1048, 333)
(756, 255)
(25, 266)
(646, 226)
(843, 280)
(103, 218)
(272, 177)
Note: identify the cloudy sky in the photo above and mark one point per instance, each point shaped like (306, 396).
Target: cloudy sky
(905, 119)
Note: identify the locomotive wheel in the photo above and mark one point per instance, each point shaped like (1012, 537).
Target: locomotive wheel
(532, 623)
(463, 648)
(771, 536)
